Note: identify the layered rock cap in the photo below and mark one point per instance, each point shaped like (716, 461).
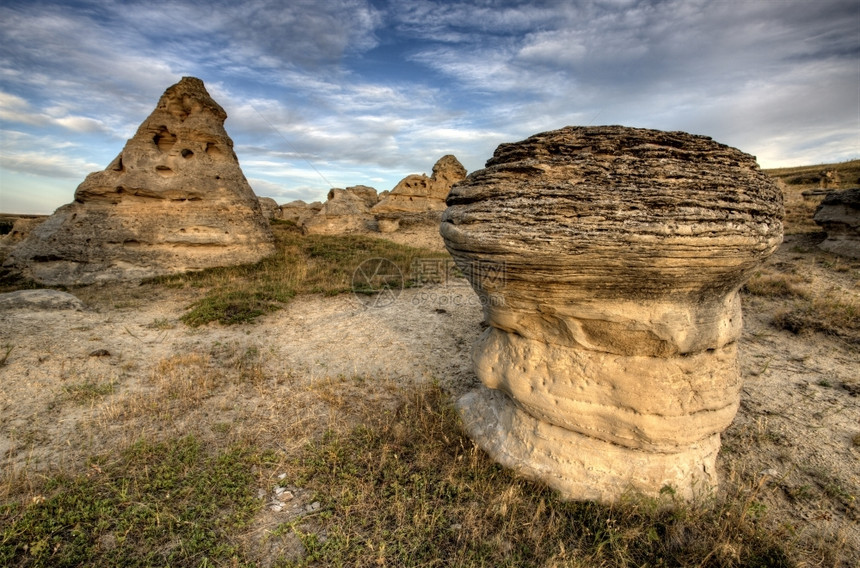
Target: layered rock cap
(175, 199)
(608, 261)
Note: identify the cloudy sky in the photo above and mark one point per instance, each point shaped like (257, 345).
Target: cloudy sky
(325, 93)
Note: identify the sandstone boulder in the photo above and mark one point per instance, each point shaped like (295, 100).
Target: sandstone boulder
(40, 300)
(608, 261)
(839, 215)
(175, 199)
(298, 211)
(418, 193)
(21, 229)
(345, 211)
(269, 207)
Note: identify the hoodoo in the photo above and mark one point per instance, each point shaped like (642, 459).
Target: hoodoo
(608, 261)
(175, 199)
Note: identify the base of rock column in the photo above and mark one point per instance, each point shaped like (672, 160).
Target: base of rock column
(578, 466)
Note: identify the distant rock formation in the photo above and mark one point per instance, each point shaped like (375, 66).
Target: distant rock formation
(345, 211)
(418, 193)
(21, 229)
(839, 215)
(175, 199)
(269, 207)
(417, 199)
(298, 211)
(608, 261)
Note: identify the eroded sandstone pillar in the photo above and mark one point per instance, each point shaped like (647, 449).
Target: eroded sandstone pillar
(608, 260)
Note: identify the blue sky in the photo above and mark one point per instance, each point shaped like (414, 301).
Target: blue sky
(325, 93)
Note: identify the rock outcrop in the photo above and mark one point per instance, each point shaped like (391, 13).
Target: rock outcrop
(608, 261)
(175, 199)
(345, 211)
(839, 215)
(418, 193)
(47, 300)
(269, 207)
(21, 229)
(298, 211)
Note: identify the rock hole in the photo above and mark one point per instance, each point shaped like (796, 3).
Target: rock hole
(186, 153)
(116, 165)
(213, 150)
(164, 139)
(164, 171)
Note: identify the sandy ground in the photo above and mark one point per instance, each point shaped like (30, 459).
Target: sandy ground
(296, 370)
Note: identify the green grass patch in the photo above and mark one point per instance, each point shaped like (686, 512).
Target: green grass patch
(410, 489)
(165, 504)
(303, 264)
(89, 390)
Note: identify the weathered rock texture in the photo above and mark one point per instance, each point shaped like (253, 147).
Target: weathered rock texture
(298, 211)
(839, 215)
(174, 200)
(31, 300)
(345, 211)
(418, 193)
(608, 261)
(269, 207)
(21, 228)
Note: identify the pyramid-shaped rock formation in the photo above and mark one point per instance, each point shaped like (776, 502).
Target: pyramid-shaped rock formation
(174, 200)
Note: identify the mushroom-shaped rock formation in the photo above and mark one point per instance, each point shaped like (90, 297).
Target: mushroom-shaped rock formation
(839, 215)
(175, 199)
(608, 261)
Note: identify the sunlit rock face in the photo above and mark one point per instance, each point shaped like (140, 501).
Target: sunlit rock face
(175, 199)
(345, 211)
(608, 261)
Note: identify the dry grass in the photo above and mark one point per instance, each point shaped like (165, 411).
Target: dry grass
(399, 483)
(408, 488)
(802, 303)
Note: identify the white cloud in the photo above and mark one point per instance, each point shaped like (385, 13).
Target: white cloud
(446, 77)
(55, 166)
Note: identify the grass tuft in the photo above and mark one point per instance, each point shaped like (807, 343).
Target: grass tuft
(839, 317)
